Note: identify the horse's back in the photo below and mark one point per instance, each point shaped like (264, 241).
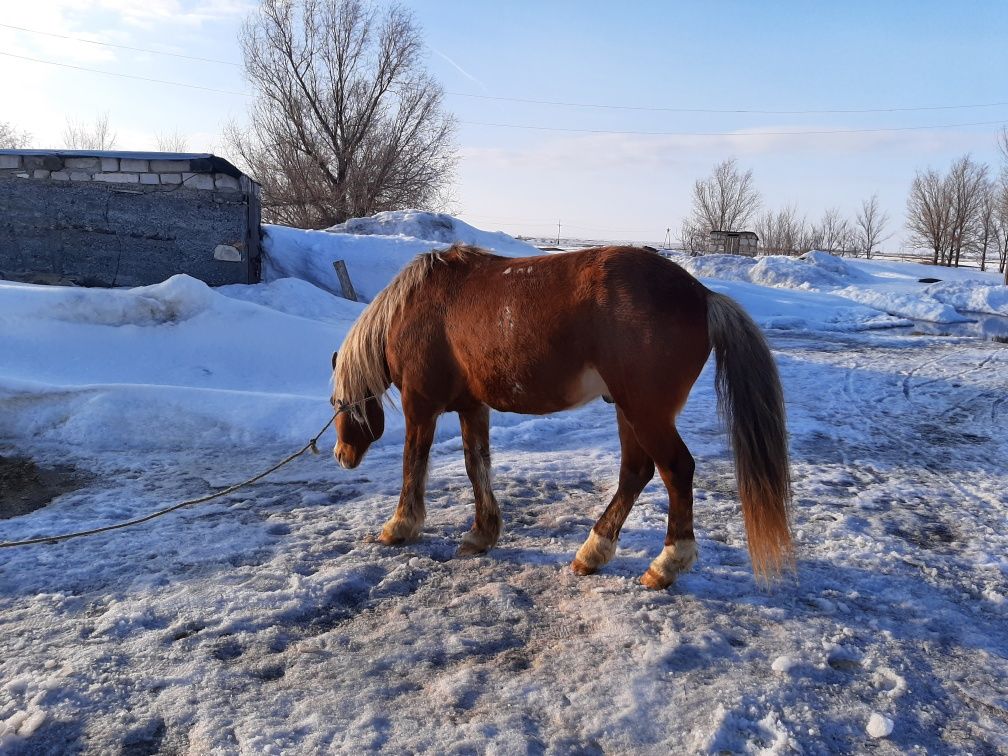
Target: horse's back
(539, 334)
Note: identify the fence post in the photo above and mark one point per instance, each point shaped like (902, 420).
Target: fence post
(344, 279)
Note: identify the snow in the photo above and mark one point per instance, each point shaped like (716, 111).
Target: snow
(803, 311)
(374, 249)
(105, 369)
(890, 287)
(438, 227)
(879, 726)
(971, 296)
(784, 664)
(269, 622)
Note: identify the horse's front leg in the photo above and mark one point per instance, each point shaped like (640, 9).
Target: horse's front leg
(476, 442)
(407, 522)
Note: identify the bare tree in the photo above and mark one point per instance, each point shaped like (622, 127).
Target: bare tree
(98, 136)
(11, 138)
(347, 122)
(172, 141)
(834, 233)
(986, 220)
(691, 239)
(1001, 205)
(965, 181)
(871, 222)
(929, 213)
(726, 200)
(1001, 227)
(781, 232)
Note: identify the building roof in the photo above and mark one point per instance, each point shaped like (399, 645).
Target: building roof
(217, 164)
(736, 233)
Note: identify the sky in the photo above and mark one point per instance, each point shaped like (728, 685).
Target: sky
(588, 168)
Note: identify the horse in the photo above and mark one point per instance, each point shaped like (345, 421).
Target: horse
(464, 330)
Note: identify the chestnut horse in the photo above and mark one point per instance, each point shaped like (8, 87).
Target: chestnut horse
(463, 330)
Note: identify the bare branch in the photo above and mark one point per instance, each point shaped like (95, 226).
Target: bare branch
(782, 232)
(726, 200)
(98, 136)
(871, 222)
(172, 141)
(346, 122)
(11, 138)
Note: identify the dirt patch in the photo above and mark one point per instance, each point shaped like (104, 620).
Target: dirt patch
(25, 487)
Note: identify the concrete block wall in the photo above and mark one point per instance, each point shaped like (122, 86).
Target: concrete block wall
(110, 221)
(194, 174)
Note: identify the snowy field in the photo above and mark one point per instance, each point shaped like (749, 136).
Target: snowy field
(268, 622)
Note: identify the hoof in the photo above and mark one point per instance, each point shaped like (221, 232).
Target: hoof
(673, 560)
(654, 581)
(470, 549)
(474, 544)
(399, 532)
(390, 540)
(595, 552)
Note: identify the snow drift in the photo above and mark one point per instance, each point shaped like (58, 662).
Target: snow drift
(435, 227)
(374, 249)
(894, 288)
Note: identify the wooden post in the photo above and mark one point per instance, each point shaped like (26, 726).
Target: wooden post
(344, 279)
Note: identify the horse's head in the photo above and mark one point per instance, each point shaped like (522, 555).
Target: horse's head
(354, 436)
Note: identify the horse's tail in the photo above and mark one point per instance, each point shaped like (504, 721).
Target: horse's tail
(751, 403)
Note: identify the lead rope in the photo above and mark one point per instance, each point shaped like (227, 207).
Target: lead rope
(312, 445)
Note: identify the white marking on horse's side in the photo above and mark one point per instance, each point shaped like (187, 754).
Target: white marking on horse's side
(507, 321)
(506, 271)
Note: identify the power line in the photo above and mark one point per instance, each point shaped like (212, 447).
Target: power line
(558, 103)
(541, 128)
(544, 223)
(749, 111)
(121, 47)
(999, 122)
(127, 76)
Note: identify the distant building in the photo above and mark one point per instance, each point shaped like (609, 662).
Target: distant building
(733, 242)
(113, 218)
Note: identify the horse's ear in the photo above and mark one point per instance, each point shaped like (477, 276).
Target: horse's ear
(334, 360)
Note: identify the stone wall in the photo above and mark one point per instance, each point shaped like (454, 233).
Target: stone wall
(119, 221)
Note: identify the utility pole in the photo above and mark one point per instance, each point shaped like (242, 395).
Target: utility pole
(558, 233)
(668, 238)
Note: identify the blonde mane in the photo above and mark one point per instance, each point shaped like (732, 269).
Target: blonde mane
(361, 368)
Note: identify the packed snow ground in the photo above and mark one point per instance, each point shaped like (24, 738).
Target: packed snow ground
(268, 622)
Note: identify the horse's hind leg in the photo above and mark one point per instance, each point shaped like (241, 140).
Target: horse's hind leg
(636, 469)
(676, 466)
(476, 442)
(405, 525)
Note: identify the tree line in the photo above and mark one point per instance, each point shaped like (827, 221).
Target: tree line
(728, 200)
(958, 214)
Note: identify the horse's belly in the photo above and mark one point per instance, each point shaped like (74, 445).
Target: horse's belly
(540, 396)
